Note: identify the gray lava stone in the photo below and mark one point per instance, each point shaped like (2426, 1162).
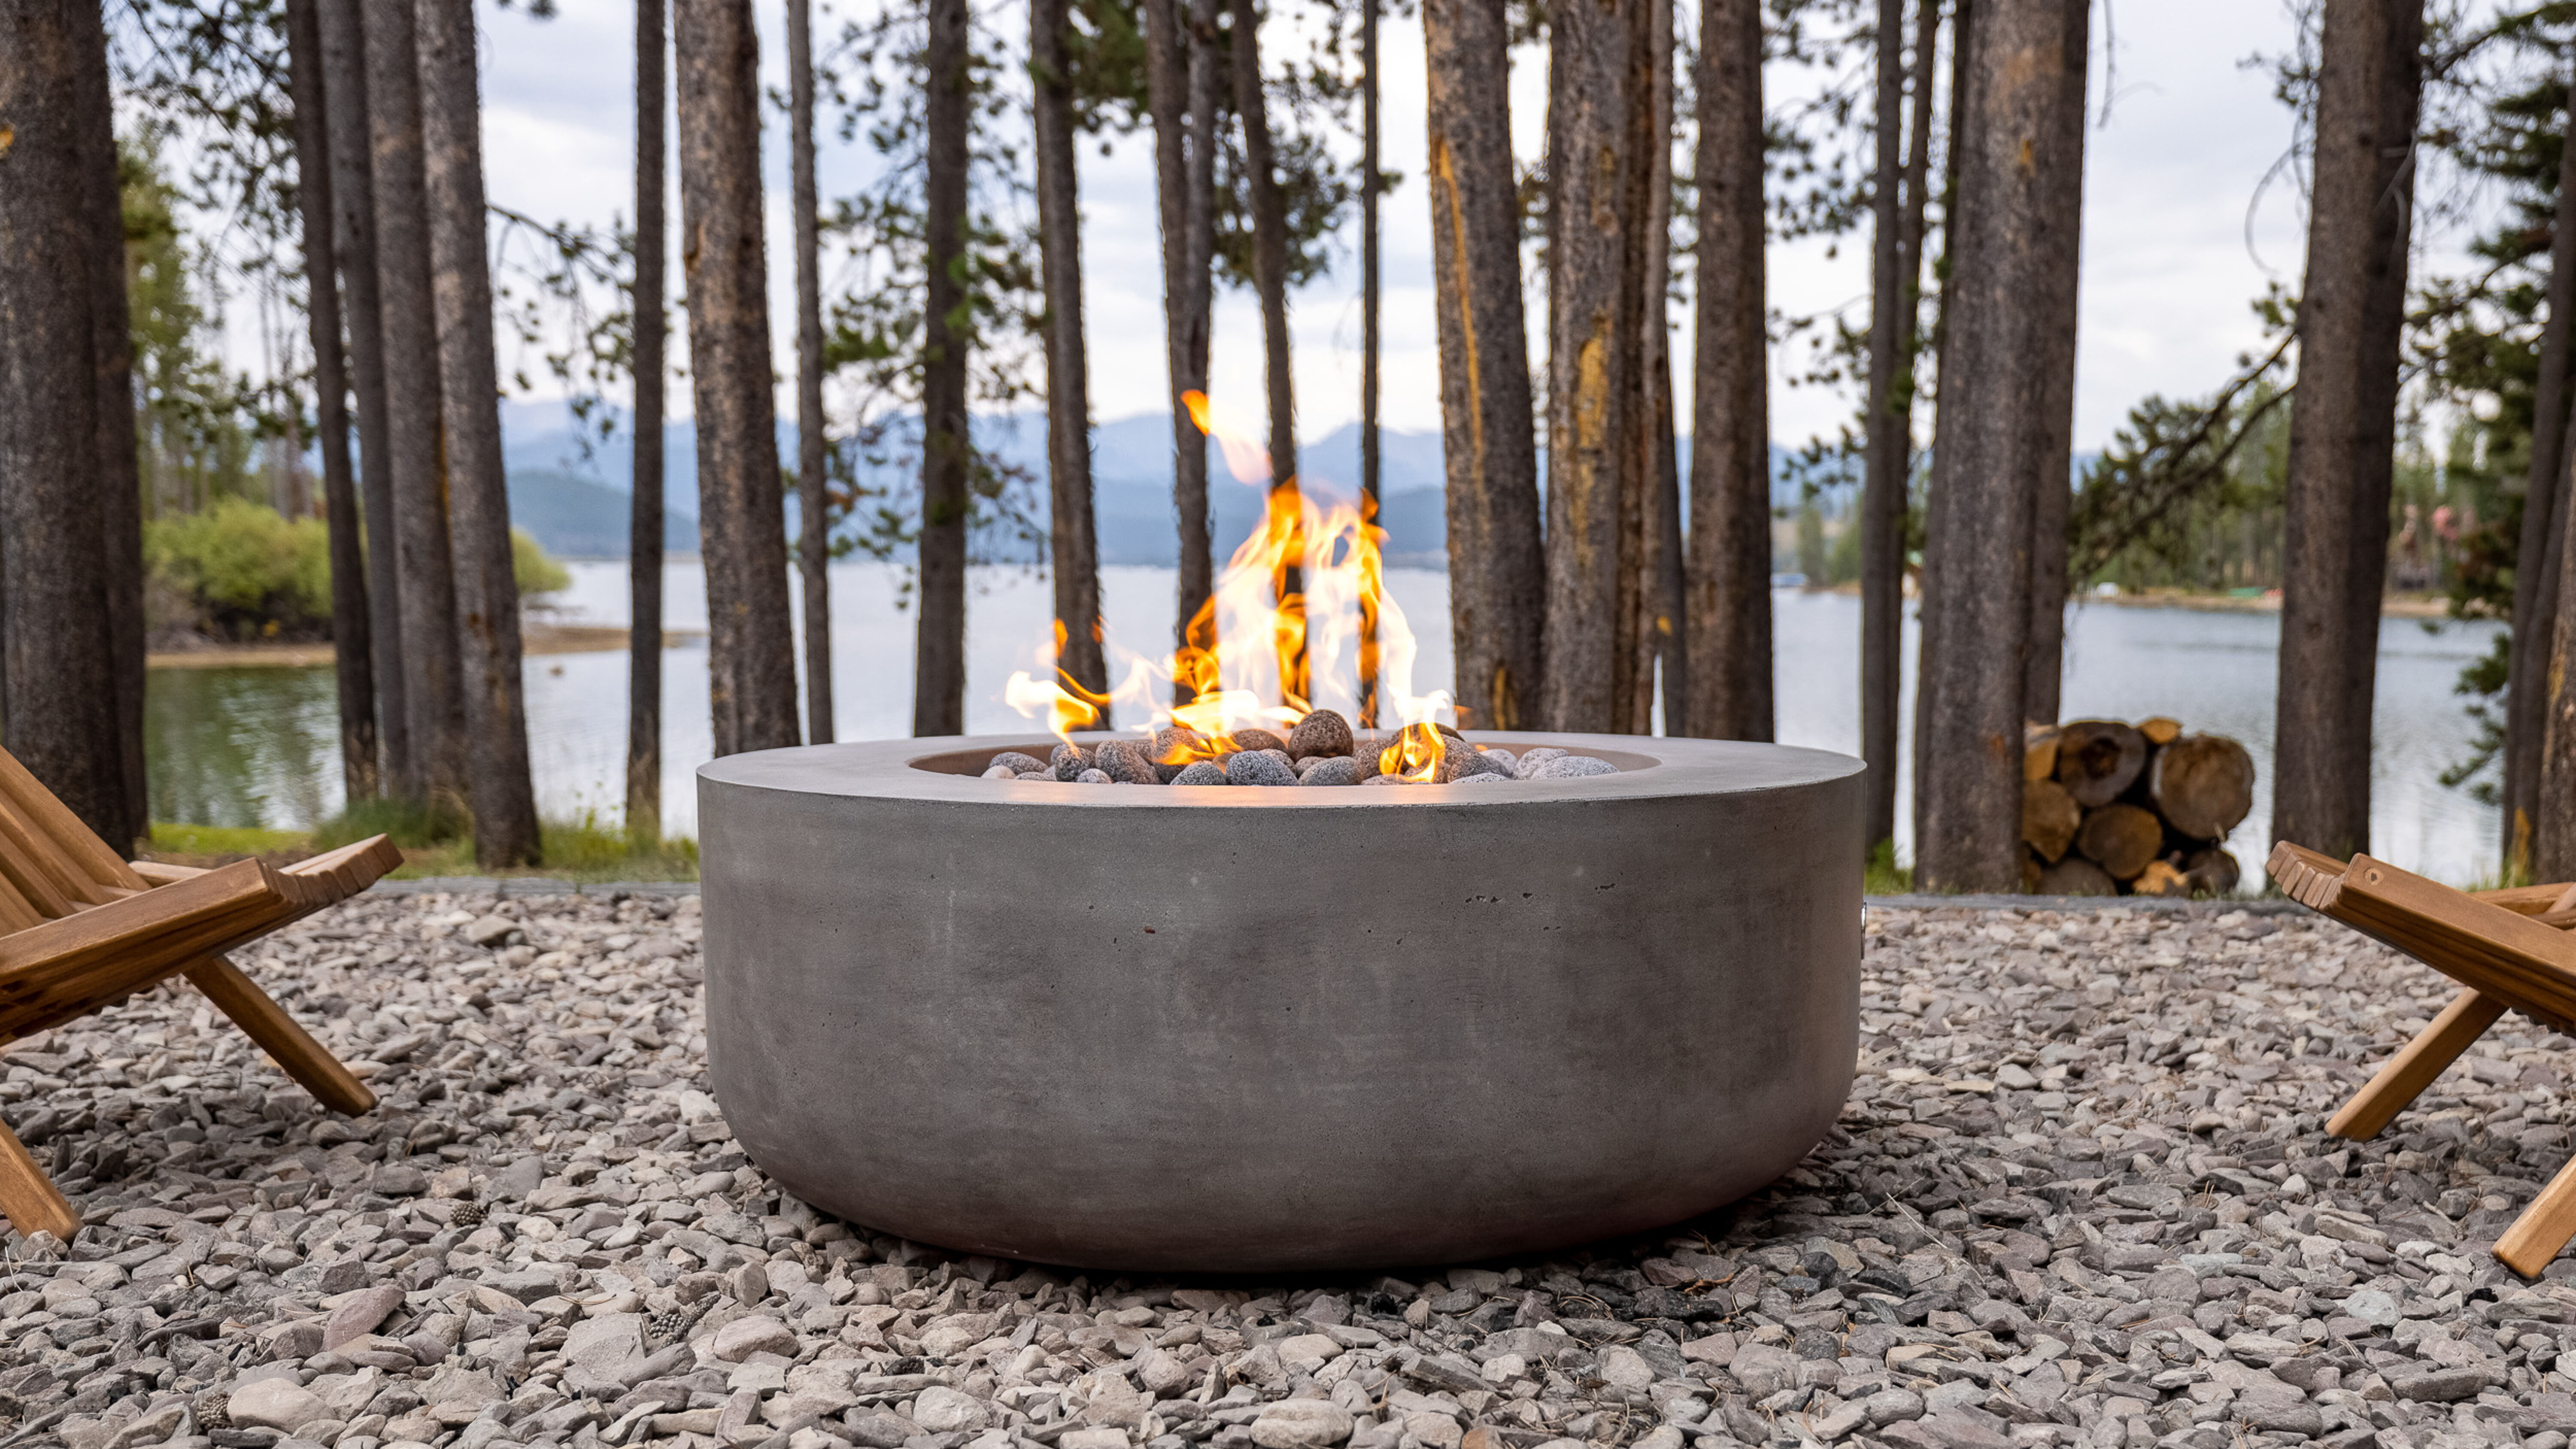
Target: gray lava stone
(1092, 777)
(1534, 757)
(1168, 741)
(1571, 767)
(1258, 767)
(1124, 761)
(1037, 774)
(1383, 780)
(1461, 763)
(1001, 772)
(1069, 761)
(1338, 770)
(1259, 740)
(1324, 732)
(1482, 777)
(1017, 763)
(1510, 762)
(1200, 772)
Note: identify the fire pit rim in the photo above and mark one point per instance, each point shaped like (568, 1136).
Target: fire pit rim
(1665, 767)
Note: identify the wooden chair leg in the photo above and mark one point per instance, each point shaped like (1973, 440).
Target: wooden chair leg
(277, 1033)
(2415, 1066)
(29, 1197)
(2543, 1228)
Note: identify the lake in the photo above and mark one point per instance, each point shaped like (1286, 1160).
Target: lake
(258, 745)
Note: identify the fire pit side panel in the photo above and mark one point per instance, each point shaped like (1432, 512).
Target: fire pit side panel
(1131, 1035)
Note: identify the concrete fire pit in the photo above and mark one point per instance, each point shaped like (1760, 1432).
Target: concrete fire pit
(1229, 1029)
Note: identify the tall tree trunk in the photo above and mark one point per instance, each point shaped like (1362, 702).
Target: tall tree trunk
(2343, 419)
(1270, 279)
(1180, 70)
(422, 556)
(813, 493)
(1728, 583)
(1497, 570)
(58, 694)
(1889, 456)
(478, 498)
(1963, 78)
(645, 523)
(751, 653)
(1073, 545)
(349, 638)
(1371, 183)
(120, 477)
(2061, 183)
(1643, 624)
(2535, 574)
(1593, 81)
(353, 206)
(2022, 139)
(947, 449)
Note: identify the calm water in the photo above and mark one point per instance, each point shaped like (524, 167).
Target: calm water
(259, 746)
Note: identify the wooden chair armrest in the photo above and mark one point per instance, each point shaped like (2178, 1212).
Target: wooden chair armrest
(159, 873)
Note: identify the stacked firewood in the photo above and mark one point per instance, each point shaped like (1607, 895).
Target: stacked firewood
(2118, 809)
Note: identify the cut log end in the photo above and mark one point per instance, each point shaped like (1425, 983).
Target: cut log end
(2122, 839)
(2098, 760)
(2076, 876)
(2203, 785)
(2049, 819)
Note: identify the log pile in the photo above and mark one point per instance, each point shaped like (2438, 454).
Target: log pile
(2116, 809)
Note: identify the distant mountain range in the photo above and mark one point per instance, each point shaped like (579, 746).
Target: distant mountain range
(574, 500)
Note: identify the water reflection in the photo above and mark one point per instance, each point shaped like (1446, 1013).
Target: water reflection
(242, 746)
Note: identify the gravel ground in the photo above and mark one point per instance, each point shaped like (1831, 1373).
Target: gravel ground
(2081, 1195)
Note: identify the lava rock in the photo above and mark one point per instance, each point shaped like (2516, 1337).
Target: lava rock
(1069, 761)
(1332, 770)
(1001, 772)
(1259, 740)
(1461, 764)
(1323, 732)
(1170, 742)
(1093, 777)
(1510, 762)
(1573, 767)
(1037, 774)
(1124, 762)
(1015, 762)
(1201, 772)
(1258, 767)
(1533, 757)
(1482, 777)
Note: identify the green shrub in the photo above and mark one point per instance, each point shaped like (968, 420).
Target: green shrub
(537, 573)
(245, 571)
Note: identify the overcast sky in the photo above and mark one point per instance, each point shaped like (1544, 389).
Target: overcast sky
(2172, 252)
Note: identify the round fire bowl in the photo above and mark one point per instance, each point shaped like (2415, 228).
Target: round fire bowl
(1242, 1030)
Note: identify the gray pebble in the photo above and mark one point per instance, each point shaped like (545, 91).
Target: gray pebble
(1323, 732)
(1124, 761)
(1533, 757)
(1572, 767)
(1001, 772)
(1069, 761)
(1481, 777)
(1331, 770)
(1259, 767)
(1093, 777)
(1037, 774)
(1200, 772)
(1504, 758)
(1018, 763)
(1462, 762)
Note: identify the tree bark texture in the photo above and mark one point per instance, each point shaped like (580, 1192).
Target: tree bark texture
(1644, 626)
(1963, 84)
(939, 652)
(478, 498)
(2535, 574)
(1728, 576)
(1180, 75)
(1889, 458)
(645, 525)
(1073, 545)
(353, 206)
(349, 637)
(1497, 571)
(1371, 183)
(1593, 293)
(58, 697)
(2023, 133)
(814, 502)
(1269, 240)
(422, 552)
(2060, 179)
(120, 477)
(751, 646)
(2343, 420)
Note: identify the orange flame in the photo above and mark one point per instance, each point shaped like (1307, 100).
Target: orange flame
(1415, 754)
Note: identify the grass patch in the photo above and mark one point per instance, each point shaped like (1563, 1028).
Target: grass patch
(192, 844)
(575, 850)
(1883, 876)
(435, 844)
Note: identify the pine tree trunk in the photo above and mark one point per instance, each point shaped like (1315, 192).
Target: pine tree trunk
(120, 477)
(2535, 574)
(353, 205)
(1882, 681)
(814, 502)
(1371, 183)
(2343, 420)
(645, 523)
(1728, 580)
(751, 651)
(2022, 136)
(1270, 280)
(423, 565)
(2061, 186)
(1497, 572)
(1593, 81)
(478, 498)
(349, 637)
(1073, 546)
(1643, 624)
(939, 654)
(58, 692)
(1889, 459)
(1180, 83)
(1963, 80)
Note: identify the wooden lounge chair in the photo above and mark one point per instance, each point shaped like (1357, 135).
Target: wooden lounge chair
(80, 929)
(2509, 948)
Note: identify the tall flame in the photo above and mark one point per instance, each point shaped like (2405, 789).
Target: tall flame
(1298, 617)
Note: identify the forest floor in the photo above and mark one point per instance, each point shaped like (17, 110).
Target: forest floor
(2081, 1195)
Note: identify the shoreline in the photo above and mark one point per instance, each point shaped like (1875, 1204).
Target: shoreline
(533, 639)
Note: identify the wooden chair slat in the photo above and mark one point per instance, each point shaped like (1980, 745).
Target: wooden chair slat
(56, 820)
